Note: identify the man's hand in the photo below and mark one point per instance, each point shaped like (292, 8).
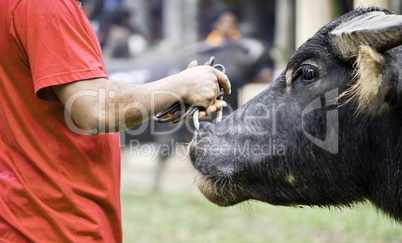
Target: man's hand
(201, 90)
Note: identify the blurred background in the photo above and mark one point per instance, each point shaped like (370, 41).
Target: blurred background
(172, 24)
(145, 40)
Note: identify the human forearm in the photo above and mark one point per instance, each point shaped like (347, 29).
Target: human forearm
(100, 105)
(135, 104)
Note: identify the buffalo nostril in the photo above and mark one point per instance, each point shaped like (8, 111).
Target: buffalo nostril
(203, 131)
(205, 125)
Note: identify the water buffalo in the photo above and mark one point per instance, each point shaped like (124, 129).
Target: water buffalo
(327, 133)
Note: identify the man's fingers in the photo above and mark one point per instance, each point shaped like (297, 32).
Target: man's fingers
(211, 109)
(215, 107)
(224, 82)
(202, 114)
(193, 63)
(220, 104)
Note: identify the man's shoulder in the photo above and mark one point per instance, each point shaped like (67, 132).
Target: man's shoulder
(48, 10)
(43, 5)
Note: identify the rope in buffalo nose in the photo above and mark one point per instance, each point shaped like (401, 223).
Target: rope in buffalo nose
(179, 112)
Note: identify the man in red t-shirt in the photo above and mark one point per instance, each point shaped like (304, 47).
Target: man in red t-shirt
(57, 183)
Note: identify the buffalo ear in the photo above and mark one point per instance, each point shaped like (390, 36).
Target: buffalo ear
(369, 88)
(363, 39)
(376, 29)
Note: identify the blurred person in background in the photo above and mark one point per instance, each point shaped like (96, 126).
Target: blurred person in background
(224, 27)
(112, 22)
(59, 118)
(246, 57)
(121, 38)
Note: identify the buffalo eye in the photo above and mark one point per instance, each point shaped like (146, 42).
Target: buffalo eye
(307, 74)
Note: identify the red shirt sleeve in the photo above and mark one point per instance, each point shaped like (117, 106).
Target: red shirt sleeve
(58, 43)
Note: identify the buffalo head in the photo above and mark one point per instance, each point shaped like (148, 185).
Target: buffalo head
(326, 133)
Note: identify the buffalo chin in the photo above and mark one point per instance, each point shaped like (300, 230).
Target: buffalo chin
(221, 191)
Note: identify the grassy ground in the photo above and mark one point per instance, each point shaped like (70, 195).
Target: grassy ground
(176, 218)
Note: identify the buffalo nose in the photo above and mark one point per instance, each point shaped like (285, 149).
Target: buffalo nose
(205, 129)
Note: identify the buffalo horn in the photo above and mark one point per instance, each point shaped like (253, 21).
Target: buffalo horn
(375, 29)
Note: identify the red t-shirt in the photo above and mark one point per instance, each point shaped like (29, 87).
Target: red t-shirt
(55, 185)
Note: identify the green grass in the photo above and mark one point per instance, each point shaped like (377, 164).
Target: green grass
(179, 218)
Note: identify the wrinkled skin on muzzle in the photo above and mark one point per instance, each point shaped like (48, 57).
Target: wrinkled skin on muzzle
(299, 143)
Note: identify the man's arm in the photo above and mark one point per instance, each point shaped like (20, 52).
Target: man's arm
(101, 105)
